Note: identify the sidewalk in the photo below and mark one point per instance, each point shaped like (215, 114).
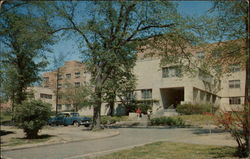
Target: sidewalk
(58, 135)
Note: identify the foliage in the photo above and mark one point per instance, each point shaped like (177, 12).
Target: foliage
(24, 38)
(78, 96)
(170, 150)
(111, 34)
(170, 121)
(111, 120)
(31, 116)
(236, 122)
(189, 108)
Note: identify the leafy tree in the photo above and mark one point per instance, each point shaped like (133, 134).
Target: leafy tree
(25, 36)
(233, 21)
(31, 116)
(111, 32)
(78, 96)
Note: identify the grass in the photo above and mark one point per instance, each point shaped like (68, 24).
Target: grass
(197, 120)
(22, 141)
(169, 150)
(5, 116)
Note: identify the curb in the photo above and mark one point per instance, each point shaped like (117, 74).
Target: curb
(56, 143)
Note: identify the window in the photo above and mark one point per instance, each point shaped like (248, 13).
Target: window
(146, 93)
(59, 106)
(200, 55)
(77, 84)
(77, 74)
(68, 75)
(234, 68)
(234, 100)
(46, 79)
(172, 71)
(67, 106)
(59, 85)
(46, 96)
(234, 83)
(60, 77)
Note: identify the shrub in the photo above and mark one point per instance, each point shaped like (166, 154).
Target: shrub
(112, 119)
(167, 121)
(237, 123)
(189, 109)
(31, 116)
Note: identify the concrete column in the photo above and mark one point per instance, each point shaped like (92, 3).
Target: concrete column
(188, 94)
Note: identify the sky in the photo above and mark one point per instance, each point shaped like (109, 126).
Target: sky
(70, 50)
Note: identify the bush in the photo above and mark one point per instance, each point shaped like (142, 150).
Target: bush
(237, 123)
(31, 116)
(167, 121)
(112, 119)
(188, 109)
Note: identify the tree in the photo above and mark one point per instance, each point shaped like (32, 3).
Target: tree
(78, 96)
(24, 37)
(31, 116)
(111, 32)
(233, 21)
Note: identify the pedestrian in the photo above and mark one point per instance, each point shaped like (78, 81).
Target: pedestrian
(138, 112)
(149, 112)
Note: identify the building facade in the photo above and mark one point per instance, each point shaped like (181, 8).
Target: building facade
(169, 86)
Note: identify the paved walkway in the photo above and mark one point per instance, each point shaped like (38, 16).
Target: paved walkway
(128, 138)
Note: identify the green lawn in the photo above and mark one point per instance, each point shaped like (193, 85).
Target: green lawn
(4, 116)
(197, 120)
(169, 150)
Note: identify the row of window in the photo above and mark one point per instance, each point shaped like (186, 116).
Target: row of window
(46, 96)
(68, 75)
(77, 84)
(234, 83)
(234, 100)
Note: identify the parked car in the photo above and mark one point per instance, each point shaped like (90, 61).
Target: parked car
(69, 118)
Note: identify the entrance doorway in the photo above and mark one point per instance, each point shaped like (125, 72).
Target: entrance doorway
(171, 97)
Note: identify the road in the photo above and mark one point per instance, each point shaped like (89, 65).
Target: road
(128, 138)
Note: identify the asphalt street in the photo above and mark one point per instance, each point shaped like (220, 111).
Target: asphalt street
(128, 138)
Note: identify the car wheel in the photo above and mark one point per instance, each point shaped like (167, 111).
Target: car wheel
(87, 125)
(76, 123)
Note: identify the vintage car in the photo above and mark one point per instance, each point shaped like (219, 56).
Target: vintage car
(69, 118)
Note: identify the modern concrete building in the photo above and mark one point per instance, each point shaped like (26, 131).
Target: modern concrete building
(169, 85)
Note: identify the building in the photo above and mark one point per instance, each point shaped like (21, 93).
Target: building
(169, 85)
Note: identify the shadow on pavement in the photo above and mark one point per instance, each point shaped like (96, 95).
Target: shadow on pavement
(207, 131)
(4, 132)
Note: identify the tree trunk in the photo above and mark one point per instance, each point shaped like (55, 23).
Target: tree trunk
(96, 125)
(111, 107)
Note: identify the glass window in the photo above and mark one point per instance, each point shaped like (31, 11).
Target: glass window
(146, 93)
(59, 106)
(200, 55)
(46, 96)
(60, 77)
(77, 74)
(172, 71)
(68, 75)
(234, 83)
(234, 68)
(77, 84)
(234, 100)
(46, 79)
(59, 85)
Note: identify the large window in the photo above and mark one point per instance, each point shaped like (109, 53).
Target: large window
(234, 68)
(77, 84)
(46, 96)
(68, 75)
(200, 55)
(146, 93)
(77, 74)
(60, 77)
(234, 83)
(234, 100)
(172, 71)
(59, 106)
